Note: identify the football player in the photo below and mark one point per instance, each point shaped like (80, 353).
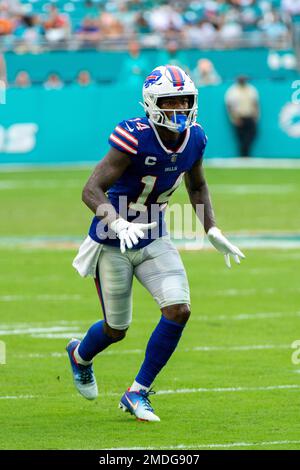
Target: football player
(147, 160)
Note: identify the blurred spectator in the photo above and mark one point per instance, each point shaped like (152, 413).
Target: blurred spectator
(201, 34)
(173, 55)
(242, 2)
(3, 77)
(135, 67)
(53, 82)
(192, 24)
(28, 32)
(205, 74)
(141, 24)
(126, 17)
(242, 102)
(6, 26)
(13, 7)
(230, 32)
(89, 31)
(291, 6)
(84, 78)
(110, 26)
(273, 27)
(164, 18)
(91, 8)
(57, 25)
(22, 80)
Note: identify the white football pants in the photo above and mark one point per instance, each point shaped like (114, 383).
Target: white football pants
(158, 267)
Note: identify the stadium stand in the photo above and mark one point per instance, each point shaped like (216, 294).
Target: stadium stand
(74, 24)
(45, 36)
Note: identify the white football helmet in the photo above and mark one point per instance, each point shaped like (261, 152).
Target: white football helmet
(170, 80)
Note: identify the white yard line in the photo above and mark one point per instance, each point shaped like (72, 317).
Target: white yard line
(255, 162)
(63, 166)
(66, 297)
(19, 397)
(253, 347)
(227, 389)
(211, 446)
(248, 240)
(253, 188)
(252, 291)
(42, 324)
(65, 329)
(184, 391)
(6, 184)
(41, 297)
(30, 331)
(273, 163)
(39, 184)
(65, 335)
(246, 316)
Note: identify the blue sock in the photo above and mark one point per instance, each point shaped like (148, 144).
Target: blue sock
(94, 341)
(161, 346)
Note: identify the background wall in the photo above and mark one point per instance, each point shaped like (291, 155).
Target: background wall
(73, 124)
(106, 65)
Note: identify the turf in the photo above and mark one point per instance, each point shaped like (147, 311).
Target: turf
(243, 323)
(49, 202)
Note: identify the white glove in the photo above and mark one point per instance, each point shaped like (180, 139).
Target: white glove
(129, 232)
(223, 245)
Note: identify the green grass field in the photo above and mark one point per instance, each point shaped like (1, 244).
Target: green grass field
(230, 384)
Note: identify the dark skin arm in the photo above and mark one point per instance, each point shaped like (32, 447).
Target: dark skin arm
(106, 173)
(103, 177)
(199, 194)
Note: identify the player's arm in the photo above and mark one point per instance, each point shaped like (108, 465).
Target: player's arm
(199, 194)
(106, 173)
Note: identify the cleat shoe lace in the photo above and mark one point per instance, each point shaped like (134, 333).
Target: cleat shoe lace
(85, 374)
(146, 400)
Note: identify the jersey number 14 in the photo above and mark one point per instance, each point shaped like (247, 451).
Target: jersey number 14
(149, 182)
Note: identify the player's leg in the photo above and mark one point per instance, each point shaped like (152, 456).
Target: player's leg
(163, 274)
(114, 287)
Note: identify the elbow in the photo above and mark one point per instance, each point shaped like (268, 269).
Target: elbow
(86, 194)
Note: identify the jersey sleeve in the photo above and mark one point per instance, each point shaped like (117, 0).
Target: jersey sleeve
(201, 141)
(124, 138)
(204, 143)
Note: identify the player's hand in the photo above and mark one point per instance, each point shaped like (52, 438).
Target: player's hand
(223, 245)
(129, 233)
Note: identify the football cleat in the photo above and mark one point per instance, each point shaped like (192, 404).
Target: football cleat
(138, 404)
(84, 378)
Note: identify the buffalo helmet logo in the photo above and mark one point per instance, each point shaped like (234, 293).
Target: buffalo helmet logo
(152, 78)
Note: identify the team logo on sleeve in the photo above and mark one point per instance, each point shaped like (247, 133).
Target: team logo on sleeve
(153, 78)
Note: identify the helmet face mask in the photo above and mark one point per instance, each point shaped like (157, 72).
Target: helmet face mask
(170, 81)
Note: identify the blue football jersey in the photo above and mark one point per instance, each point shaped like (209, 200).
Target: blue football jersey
(142, 192)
